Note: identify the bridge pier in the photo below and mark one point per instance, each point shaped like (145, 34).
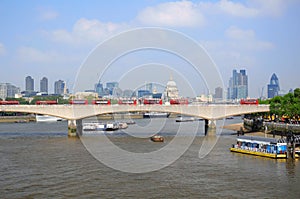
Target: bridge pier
(210, 127)
(74, 128)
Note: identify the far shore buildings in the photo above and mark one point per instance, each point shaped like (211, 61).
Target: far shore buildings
(171, 91)
(8, 90)
(273, 87)
(238, 85)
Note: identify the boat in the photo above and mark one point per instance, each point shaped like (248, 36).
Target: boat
(112, 126)
(123, 125)
(260, 146)
(157, 138)
(185, 119)
(47, 118)
(89, 127)
(100, 127)
(155, 115)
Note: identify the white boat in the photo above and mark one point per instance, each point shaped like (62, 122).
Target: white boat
(47, 118)
(155, 115)
(185, 119)
(89, 127)
(112, 126)
(100, 127)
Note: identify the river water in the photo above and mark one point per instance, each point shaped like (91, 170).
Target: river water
(38, 160)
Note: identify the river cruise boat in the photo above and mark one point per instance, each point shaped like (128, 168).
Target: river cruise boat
(260, 146)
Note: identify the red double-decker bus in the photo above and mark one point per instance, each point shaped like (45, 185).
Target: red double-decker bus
(12, 102)
(101, 102)
(152, 101)
(179, 101)
(127, 102)
(46, 102)
(79, 102)
(249, 101)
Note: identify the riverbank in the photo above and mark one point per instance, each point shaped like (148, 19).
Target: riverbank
(17, 119)
(236, 127)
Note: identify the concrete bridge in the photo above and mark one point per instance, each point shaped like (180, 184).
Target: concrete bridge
(75, 113)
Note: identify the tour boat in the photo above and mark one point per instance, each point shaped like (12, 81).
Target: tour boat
(260, 146)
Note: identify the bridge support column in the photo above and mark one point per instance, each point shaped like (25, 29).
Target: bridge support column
(210, 127)
(74, 128)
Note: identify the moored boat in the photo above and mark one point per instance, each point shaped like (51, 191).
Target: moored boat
(260, 146)
(47, 118)
(157, 138)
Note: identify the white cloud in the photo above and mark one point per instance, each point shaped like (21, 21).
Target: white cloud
(28, 54)
(173, 14)
(46, 14)
(86, 31)
(254, 8)
(237, 33)
(2, 49)
(236, 9)
(246, 39)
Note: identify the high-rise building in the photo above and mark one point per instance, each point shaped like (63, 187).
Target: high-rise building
(238, 85)
(111, 85)
(149, 87)
(8, 90)
(273, 87)
(44, 85)
(99, 89)
(218, 93)
(60, 87)
(29, 84)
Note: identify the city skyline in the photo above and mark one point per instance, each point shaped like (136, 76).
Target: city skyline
(53, 40)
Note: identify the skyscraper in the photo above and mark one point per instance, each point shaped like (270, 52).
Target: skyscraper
(99, 89)
(238, 85)
(59, 87)
(218, 93)
(44, 85)
(111, 86)
(273, 87)
(29, 84)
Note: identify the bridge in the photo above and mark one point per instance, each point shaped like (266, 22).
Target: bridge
(75, 113)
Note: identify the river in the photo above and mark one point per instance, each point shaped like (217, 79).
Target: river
(38, 160)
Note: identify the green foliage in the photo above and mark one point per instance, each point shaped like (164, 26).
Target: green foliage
(287, 105)
(59, 99)
(21, 100)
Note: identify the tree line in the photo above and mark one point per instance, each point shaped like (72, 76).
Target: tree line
(285, 106)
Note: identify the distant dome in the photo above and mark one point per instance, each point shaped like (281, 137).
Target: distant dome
(171, 83)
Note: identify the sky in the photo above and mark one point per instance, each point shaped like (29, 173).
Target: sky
(54, 39)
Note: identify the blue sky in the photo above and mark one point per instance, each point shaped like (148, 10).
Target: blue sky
(53, 38)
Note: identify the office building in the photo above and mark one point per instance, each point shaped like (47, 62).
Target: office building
(218, 93)
(60, 87)
(44, 85)
(29, 84)
(238, 85)
(111, 85)
(273, 87)
(8, 90)
(99, 89)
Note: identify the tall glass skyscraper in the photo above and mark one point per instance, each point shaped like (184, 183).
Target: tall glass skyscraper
(44, 85)
(238, 85)
(59, 87)
(273, 87)
(29, 84)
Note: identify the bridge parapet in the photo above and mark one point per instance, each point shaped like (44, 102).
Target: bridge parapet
(74, 112)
